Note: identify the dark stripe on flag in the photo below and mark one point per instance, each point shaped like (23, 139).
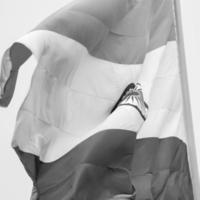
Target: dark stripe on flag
(112, 162)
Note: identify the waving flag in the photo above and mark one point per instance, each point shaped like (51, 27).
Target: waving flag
(85, 55)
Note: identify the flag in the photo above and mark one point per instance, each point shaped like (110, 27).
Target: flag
(86, 54)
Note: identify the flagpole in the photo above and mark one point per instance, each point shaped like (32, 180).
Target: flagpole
(192, 151)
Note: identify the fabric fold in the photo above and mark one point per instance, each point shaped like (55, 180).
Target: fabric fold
(70, 144)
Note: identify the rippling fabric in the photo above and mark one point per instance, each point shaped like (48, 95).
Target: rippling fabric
(82, 58)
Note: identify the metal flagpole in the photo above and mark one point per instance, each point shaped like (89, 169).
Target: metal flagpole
(192, 152)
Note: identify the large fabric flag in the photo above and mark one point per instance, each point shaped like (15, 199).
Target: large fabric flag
(84, 56)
